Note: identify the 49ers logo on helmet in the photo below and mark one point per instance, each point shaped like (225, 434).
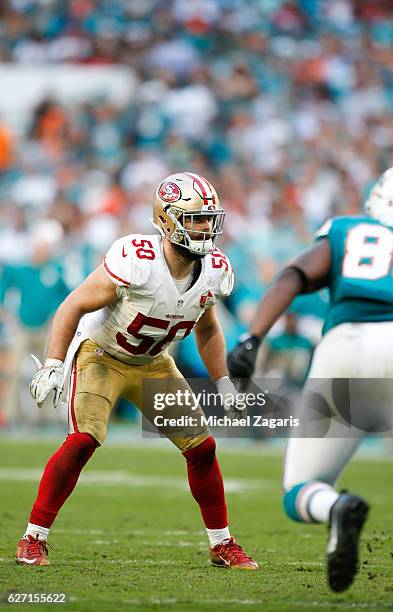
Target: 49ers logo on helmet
(169, 192)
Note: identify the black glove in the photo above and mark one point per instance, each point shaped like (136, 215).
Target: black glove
(241, 360)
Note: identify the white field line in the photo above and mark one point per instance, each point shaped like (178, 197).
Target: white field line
(156, 543)
(133, 532)
(309, 564)
(226, 447)
(180, 543)
(118, 477)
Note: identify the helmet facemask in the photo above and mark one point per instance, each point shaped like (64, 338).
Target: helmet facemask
(188, 235)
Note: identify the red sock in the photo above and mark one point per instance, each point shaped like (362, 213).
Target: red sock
(60, 477)
(206, 484)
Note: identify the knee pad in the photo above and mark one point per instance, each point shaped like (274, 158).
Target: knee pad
(91, 413)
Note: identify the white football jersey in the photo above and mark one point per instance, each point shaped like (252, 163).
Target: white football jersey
(150, 313)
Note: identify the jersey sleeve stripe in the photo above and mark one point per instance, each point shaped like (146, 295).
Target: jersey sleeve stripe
(114, 275)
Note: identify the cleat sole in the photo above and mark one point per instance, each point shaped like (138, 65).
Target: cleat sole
(22, 562)
(343, 563)
(250, 567)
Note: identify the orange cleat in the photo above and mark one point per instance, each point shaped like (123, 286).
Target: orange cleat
(230, 554)
(31, 551)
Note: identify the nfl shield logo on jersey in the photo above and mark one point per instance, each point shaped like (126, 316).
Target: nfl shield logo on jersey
(206, 299)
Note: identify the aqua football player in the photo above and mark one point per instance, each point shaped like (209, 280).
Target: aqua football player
(353, 258)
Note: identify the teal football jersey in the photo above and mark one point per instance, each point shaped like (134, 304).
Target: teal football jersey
(361, 276)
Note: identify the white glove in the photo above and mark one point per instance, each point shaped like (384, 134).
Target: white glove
(232, 401)
(47, 383)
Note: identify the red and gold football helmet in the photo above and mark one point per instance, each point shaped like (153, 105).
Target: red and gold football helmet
(179, 201)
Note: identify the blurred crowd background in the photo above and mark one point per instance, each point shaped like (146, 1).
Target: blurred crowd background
(286, 107)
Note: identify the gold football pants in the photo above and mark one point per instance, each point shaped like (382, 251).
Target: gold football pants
(98, 380)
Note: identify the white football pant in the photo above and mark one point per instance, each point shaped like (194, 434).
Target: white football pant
(362, 351)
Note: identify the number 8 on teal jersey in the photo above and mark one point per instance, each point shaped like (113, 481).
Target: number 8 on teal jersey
(361, 280)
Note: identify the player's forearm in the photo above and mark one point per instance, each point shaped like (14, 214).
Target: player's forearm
(275, 302)
(64, 326)
(212, 349)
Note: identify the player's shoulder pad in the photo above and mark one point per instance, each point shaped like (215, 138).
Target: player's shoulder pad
(324, 230)
(128, 261)
(220, 273)
(339, 224)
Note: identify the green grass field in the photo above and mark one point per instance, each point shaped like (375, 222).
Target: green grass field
(131, 537)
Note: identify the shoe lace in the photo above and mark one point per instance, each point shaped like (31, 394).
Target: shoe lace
(36, 547)
(234, 551)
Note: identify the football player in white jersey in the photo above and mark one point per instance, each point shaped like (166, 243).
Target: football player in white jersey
(114, 330)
